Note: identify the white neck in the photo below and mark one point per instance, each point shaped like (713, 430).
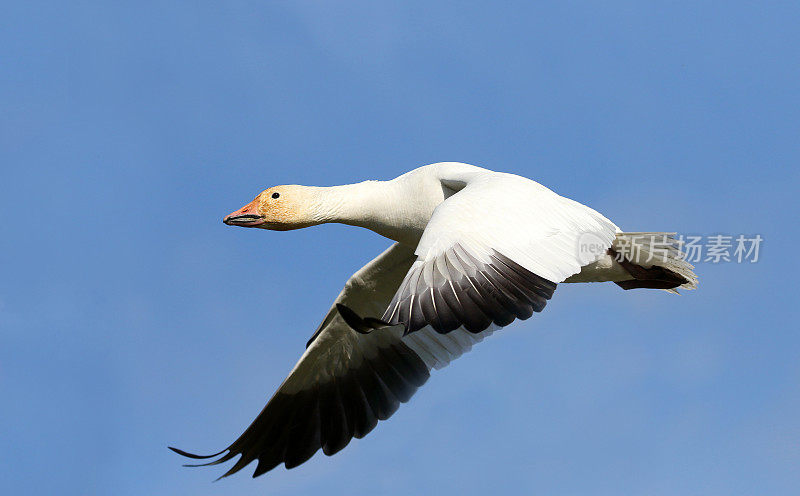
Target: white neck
(375, 205)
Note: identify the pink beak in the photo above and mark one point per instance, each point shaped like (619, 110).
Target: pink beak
(246, 216)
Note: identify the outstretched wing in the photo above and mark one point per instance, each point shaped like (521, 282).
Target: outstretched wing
(493, 252)
(348, 378)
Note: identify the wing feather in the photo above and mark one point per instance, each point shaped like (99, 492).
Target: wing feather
(493, 252)
(355, 372)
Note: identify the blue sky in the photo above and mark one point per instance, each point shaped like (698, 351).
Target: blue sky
(131, 318)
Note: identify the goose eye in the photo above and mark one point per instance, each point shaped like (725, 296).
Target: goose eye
(276, 195)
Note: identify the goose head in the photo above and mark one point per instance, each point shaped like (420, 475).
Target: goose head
(280, 208)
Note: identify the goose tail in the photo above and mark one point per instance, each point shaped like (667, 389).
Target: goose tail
(655, 260)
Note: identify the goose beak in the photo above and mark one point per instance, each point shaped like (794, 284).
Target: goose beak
(246, 216)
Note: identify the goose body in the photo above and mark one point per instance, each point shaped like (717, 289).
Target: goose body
(474, 250)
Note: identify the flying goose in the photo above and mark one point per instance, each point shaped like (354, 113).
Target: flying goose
(474, 250)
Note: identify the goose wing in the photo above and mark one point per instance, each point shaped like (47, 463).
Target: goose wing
(348, 378)
(493, 252)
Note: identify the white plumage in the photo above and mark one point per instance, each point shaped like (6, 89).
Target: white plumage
(474, 250)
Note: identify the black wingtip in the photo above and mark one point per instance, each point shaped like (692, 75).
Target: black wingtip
(192, 455)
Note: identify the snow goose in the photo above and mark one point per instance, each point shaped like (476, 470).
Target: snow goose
(474, 250)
